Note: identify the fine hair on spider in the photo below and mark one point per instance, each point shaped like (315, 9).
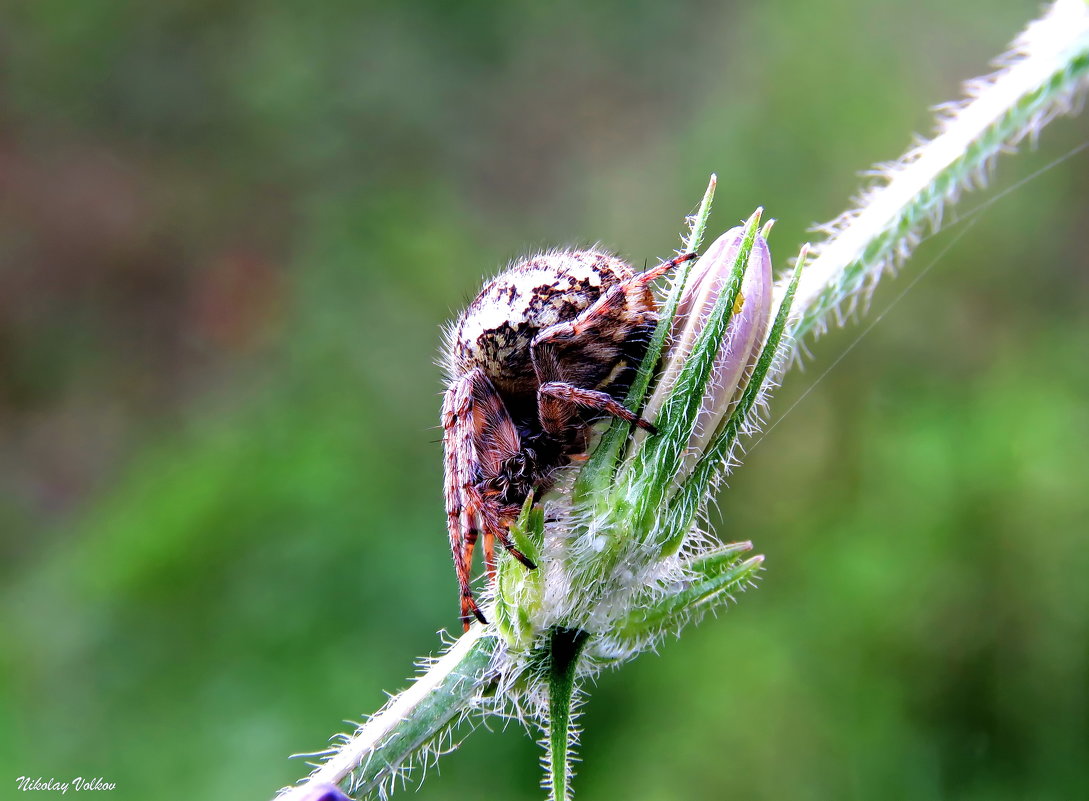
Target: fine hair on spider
(548, 347)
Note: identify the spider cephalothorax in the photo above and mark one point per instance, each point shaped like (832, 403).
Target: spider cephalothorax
(546, 348)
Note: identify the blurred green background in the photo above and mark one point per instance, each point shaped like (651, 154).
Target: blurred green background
(229, 234)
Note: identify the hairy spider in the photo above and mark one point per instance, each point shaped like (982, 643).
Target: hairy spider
(545, 349)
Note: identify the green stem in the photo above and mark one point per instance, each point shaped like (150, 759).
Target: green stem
(390, 740)
(1049, 68)
(565, 647)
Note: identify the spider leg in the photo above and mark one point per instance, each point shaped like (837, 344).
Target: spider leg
(478, 438)
(459, 462)
(489, 554)
(578, 359)
(495, 525)
(654, 273)
(556, 398)
(502, 533)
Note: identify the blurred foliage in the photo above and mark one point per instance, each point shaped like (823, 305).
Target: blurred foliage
(229, 233)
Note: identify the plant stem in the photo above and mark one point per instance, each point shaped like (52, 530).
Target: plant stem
(1044, 74)
(565, 647)
(384, 746)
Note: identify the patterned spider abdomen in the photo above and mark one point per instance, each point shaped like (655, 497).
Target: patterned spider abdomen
(497, 329)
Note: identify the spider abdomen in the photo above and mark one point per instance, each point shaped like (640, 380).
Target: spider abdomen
(496, 331)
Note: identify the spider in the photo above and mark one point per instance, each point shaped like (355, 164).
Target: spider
(545, 349)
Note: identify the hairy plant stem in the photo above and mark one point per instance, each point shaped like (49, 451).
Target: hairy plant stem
(1044, 76)
(565, 646)
(412, 720)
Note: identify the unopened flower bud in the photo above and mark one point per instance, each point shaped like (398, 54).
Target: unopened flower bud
(745, 331)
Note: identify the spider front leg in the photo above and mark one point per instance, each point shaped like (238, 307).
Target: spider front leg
(558, 402)
(577, 360)
(479, 442)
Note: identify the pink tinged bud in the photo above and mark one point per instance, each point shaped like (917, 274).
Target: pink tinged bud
(744, 339)
(745, 331)
(707, 279)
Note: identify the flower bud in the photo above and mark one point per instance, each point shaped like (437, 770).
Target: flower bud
(744, 336)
